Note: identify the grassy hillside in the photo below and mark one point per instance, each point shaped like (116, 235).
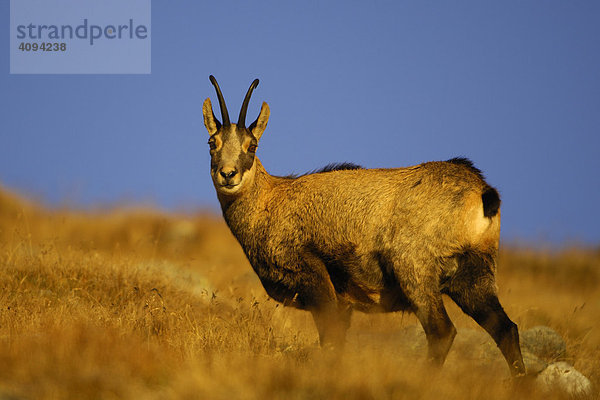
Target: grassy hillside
(138, 304)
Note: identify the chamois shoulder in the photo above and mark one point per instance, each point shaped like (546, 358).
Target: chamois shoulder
(336, 167)
(328, 168)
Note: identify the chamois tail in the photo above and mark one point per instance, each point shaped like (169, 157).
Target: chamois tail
(491, 202)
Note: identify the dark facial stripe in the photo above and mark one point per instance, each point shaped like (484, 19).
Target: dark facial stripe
(235, 136)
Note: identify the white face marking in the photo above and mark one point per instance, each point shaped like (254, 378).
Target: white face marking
(231, 150)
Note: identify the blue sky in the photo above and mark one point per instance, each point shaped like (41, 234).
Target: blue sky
(515, 86)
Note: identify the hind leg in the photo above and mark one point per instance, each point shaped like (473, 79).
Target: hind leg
(473, 289)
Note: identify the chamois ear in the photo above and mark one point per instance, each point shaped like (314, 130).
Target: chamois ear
(210, 121)
(258, 127)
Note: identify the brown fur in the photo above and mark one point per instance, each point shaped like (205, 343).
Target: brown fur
(373, 240)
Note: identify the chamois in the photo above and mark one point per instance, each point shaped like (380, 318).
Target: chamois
(374, 240)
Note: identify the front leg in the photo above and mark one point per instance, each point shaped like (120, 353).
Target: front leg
(332, 321)
(318, 295)
(308, 286)
(331, 316)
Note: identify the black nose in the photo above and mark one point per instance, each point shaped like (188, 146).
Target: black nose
(227, 174)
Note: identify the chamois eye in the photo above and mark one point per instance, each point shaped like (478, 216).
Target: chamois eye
(212, 144)
(252, 148)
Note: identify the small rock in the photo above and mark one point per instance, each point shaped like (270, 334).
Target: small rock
(533, 364)
(566, 378)
(543, 342)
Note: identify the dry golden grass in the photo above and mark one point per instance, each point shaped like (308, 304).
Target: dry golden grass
(139, 304)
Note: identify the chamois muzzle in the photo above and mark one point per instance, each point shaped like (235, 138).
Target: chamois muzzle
(228, 173)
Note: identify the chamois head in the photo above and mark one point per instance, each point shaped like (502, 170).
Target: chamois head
(232, 146)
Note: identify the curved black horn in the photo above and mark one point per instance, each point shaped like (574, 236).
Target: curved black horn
(242, 118)
(224, 113)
